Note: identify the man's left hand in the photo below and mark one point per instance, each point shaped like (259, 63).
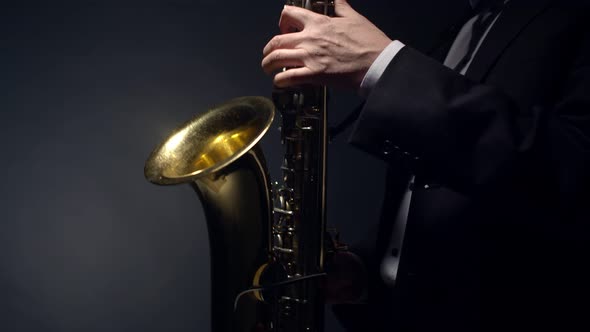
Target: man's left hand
(317, 49)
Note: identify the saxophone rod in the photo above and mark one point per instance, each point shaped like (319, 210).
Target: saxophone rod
(276, 285)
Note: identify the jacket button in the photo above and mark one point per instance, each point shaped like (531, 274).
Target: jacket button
(388, 147)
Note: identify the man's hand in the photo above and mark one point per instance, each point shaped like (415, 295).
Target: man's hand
(334, 51)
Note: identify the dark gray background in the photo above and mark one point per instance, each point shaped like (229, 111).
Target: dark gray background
(87, 89)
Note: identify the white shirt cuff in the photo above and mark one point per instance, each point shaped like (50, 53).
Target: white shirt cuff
(379, 66)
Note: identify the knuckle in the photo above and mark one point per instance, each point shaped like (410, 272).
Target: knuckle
(285, 12)
(275, 42)
(322, 19)
(266, 65)
(315, 53)
(280, 80)
(277, 56)
(306, 54)
(308, 57)
(290, 74)
(317, 69)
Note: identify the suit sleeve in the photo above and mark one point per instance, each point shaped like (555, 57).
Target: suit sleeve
(468, 136)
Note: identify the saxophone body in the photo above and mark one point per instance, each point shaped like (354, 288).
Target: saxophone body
(268, 240)
(299, 231)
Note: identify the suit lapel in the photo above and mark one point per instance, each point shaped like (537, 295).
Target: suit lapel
(440, 48)
(514, 18)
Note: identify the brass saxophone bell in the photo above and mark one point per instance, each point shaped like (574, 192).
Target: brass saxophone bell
(210, 141)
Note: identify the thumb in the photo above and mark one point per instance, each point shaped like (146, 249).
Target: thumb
(342, 8)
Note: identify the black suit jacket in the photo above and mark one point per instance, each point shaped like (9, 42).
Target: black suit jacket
(498, 238)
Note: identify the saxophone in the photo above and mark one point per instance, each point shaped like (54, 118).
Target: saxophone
(268, 241)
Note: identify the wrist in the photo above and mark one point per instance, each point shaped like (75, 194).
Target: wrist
(378, 67)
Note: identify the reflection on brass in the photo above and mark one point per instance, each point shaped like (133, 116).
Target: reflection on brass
(210, 141)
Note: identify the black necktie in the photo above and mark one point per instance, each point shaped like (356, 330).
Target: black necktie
(487, 12)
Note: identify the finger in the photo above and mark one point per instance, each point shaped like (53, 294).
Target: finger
(342, 8)
(290, 40)
(294, 19)
(283, 58)
(293, 77)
